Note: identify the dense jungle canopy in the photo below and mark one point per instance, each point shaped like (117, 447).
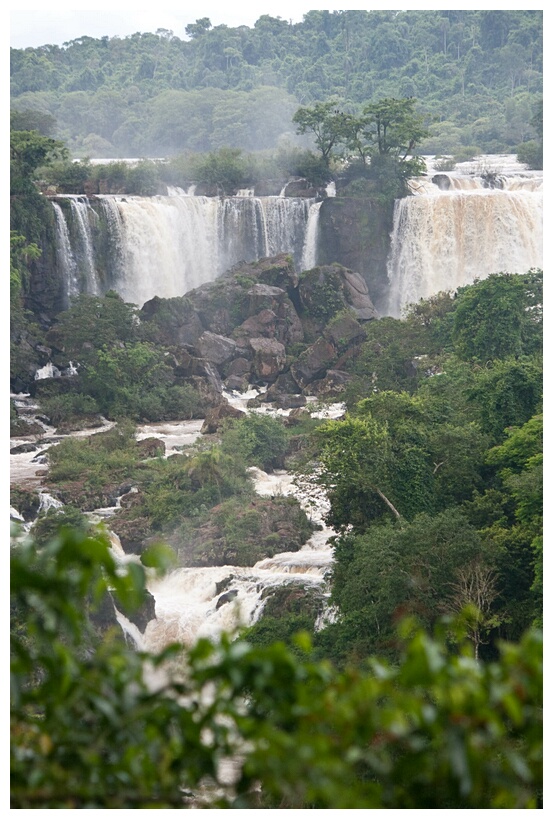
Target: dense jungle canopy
(477, 73)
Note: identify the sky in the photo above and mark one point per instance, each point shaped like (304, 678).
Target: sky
(56, 23)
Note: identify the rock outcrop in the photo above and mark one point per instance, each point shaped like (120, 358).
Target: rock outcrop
(263, 324)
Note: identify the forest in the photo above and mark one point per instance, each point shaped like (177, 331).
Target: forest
(477, 73)
(411, 675)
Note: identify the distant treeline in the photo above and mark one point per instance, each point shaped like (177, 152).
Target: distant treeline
(477, 75)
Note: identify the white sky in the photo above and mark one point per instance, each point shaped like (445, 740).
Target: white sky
(56, 23)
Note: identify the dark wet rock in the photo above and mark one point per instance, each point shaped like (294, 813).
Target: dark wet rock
(289, 401)
(285, 384)
(215, 418)
(227, 597)
(442, 181)
(331, 386)
(236, 383)
(150, 447)
(215, 348)
(132, 532)
(269, 358)
(19, 450)
(313, 362)
(343, 331)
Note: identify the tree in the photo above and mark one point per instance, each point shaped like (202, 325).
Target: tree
(498, 317)
(391, 128)
(30, 120)
(198, 28)
(96, 724)
(28, 151)
(476, 587)
(356, 459)
(327, 123)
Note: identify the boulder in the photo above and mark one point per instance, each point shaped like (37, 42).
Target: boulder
(285, 384)
(150, 447)
(236, 383)
(343, 331)
(313, 362)
(263, 297)
(331, 386)
(357, 295)
(269, 358)
(215, 348)
(175, 320)
(290, 401)
(226, 597)
(238, 366)
(19, 450)
(263, 323)
(215, 418)
(277, 271)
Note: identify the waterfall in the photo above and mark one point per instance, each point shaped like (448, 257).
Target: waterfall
(83, 215)
(166, 245)
(442, 240)
(66, 260)
(309, 257)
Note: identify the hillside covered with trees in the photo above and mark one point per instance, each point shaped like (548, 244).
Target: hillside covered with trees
(478, 73)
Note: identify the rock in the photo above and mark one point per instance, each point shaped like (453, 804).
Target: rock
(295, 416)
(215, 417)
(131, 498)
(263, 323)
(264, 297)
(356, 233)
(175, 320)
(343, 331)
(442, 181)
(269, 358)
(300, 187)
(150, 447)
(144, 614)
(277, 271)
(227, 597)
(236, 383)
(19, 450)
(285, 384)
(238, 366)
(313, 362)
(209, 389)
(331, 386)
(132, 533)
(290, 401)
(215, 348)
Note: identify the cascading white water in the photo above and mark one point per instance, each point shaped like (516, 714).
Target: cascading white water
(66, 260)
(309, 257)
(285, 224)
(167, 245)
(204, 602)
(442, 240)
(84, 215)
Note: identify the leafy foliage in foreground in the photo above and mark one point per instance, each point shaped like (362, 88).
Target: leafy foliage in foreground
(439, 730)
